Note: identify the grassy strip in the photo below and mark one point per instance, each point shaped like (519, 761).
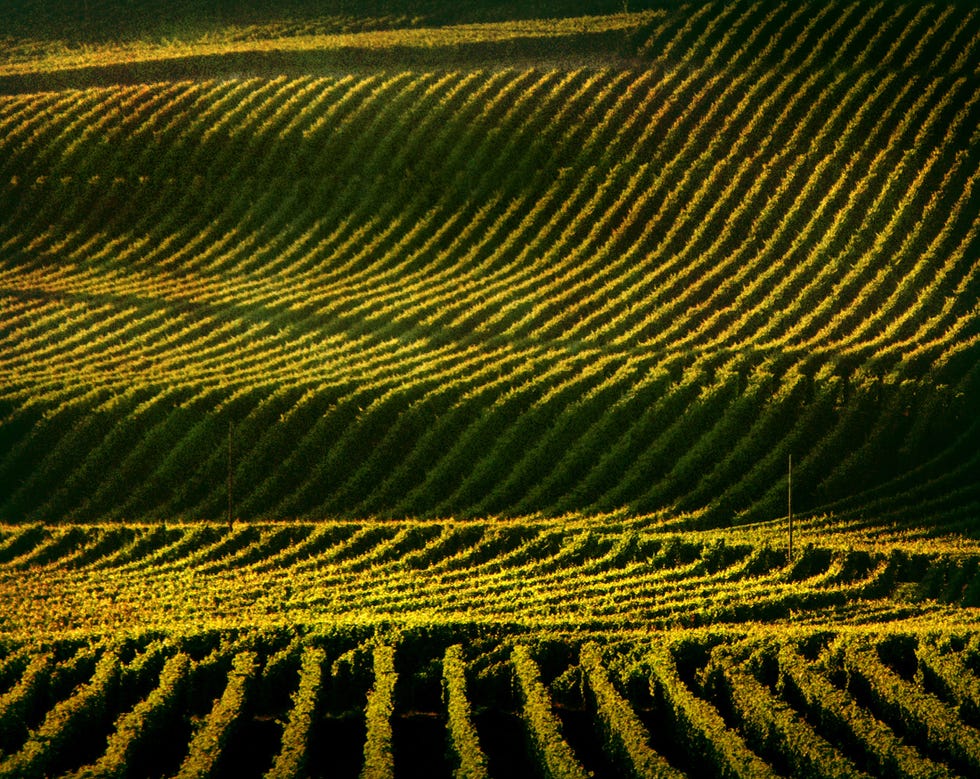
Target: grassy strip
(471, 763)
(529, 34)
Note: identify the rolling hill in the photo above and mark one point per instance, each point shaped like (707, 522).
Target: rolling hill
(487, 266)
(491, 329)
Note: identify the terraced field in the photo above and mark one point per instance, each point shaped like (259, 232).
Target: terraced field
(407, 388)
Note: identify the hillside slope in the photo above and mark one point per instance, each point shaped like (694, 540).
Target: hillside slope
(625, 261)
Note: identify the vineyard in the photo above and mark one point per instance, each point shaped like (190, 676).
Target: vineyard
(556, 648)
(408, 388)
(465, 292)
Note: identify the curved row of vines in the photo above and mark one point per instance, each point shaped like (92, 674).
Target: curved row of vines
(565, 575)
(473, 292)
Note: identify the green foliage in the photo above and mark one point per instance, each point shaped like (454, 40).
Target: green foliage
(565, 283)
(622, 727)
(292, 757)
(144, 721)
(471, 763)
(774, 728)
(947, 671)
(378, 757)
(921, 717)
(64, 723)
(698, 725)
(16, 702)
(555, 758)
(744, 701)
(596, 573)
(206, 746)
(633, 264)
(838, 713)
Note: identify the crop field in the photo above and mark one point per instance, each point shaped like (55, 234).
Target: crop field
(409, 388)
(492, 648)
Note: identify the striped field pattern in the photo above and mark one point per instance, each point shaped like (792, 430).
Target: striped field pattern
(566, 576)
(849, 703)
(638, 281)
(407, 388)
(568, 647)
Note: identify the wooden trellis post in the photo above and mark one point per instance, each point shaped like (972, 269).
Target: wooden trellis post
(229, 475)
(789, 507)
